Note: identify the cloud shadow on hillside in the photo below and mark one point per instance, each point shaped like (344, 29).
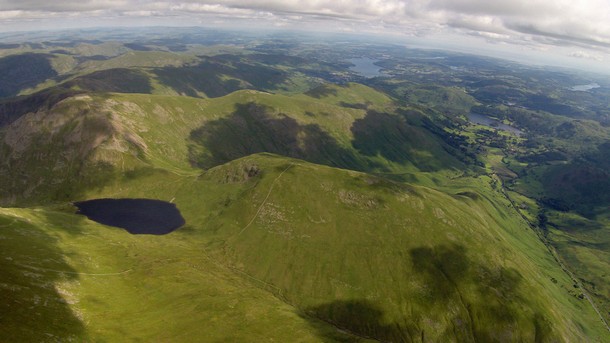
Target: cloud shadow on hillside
(13, 108)
(359, 318)
(491, 298)
(322, 91)
(220, 75)
(19, 72)
(396, 140)
(252, 129)
(120, 80)
(487, 302)
(32, 307)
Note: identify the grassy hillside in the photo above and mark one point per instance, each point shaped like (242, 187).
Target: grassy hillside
(112, 67)
(559, 175)
(392, 261)
(583, 245)
(87, 140)
(279, 242)
(67, 279)
(276, 248)
(138, 59)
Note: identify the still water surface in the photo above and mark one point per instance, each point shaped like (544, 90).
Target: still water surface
(483, 120)
(365, 66)
(137, 216)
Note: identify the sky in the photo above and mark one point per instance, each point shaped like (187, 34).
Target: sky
(559, 32)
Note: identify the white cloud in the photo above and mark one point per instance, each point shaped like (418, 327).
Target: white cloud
(586, 55)
(209, 8)
(10, 14)
(583, 24)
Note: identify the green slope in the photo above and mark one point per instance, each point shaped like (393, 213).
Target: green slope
(115, 68)
(88, 140)
(68, 279)
(275, 247)
(397, 262)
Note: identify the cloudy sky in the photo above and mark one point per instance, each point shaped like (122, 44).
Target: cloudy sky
(564, 30)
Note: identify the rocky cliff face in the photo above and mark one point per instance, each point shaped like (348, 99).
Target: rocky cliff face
(53, 149)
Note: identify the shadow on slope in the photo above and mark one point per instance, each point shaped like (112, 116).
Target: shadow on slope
(359, 317)
(470, 301)
(251, 129)
(19, 72)
(322, 91)
(13, 108)
(59, 165)
(582, 185)
(393, 138)
(220, 75)
(34, 301)
(492, 304)
(120, 80)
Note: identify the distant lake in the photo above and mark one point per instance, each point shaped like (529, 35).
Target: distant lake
(584, 88)
(483, 120)
(365, 66)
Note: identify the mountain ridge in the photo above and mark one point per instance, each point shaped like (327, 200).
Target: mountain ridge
(286, 197)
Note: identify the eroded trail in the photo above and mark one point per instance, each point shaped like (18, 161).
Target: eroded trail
(266, 198)
(72, 273)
